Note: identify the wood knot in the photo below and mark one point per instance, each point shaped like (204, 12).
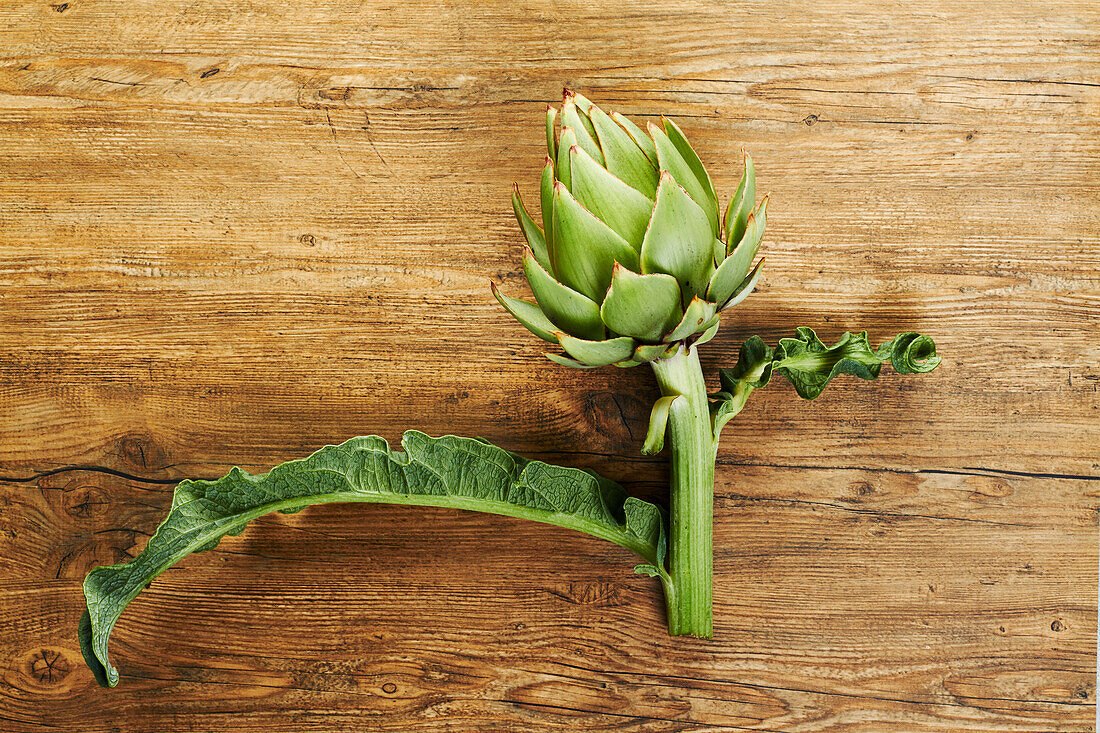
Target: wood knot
(83, 500)
(60, 7)
(307, 239)
(49, 667)
(140, 451)
(1057, 625)
(389, 688)
(810, 120)
(209, 73)
(860, 491)
(46, 669)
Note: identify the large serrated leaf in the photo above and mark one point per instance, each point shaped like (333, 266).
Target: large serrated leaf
(452, 472)
(810, 365)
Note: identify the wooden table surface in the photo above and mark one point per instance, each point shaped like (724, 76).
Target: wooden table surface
(232, 232)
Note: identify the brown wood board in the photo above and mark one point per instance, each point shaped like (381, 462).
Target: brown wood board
(233, 232)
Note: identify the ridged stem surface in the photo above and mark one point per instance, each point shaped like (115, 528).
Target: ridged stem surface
(694, 451)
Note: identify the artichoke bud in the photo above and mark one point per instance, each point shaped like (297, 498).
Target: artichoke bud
(632, 257)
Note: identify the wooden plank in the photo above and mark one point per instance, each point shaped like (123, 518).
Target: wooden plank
(231, 234)
(839, 599)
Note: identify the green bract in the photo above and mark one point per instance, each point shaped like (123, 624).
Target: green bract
(632, 257)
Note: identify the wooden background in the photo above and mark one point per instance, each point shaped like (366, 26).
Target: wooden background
(232, 232)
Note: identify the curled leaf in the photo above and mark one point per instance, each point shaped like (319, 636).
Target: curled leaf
(807, 363)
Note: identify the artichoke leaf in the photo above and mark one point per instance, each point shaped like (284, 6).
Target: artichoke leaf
(719, 248)
(450, 472)
(551, 137)
(584, 104)
(584, 249)
(642, 306)
(678, 239)
(527, 313)
(643, 141)
(674, 163)
(597, 353)
(546, 203)
(531, 231)
(695, 165)
(732, 270)
(564, 306)
(710, 332)
(567, 362)
(697, 317)
(624, 159)
(582, 128)
(740, 206)
(622, 207)
(653, 352)
(746, 287)
(566, 141)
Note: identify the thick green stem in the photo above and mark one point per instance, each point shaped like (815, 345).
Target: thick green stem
(694, 450)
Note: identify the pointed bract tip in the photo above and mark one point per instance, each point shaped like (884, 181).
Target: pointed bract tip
(665, 175)
(515, 188)
(574, 149)
(549, 161)
(558, 186)
(493, 287)
(566, 93)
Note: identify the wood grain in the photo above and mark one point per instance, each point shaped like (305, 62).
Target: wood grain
(233, 232)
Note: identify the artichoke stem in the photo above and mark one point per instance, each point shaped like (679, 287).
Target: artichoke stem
(694, 451)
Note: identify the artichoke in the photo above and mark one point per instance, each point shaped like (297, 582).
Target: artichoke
(632, 258)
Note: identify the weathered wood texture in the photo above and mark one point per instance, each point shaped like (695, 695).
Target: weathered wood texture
(233, 232)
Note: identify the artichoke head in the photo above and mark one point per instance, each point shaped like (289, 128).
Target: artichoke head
(632, 257)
